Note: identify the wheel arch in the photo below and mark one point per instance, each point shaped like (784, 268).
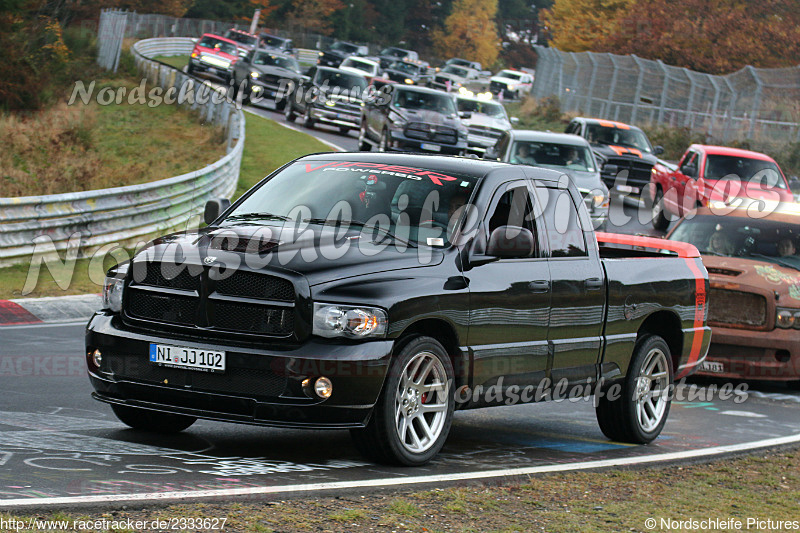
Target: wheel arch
(444, 332)
(666, 325)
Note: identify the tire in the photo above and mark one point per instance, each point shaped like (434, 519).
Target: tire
(660, 220)
(363, 144)
(383, 146)
(344, 130)
(280, 105)
(152, 421)
(638, 414)
(190, 69)
(309, 123)
(412, 418)
(288, 112)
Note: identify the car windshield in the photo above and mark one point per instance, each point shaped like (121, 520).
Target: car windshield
(363, 66)
(273, 42)
(725, 167)
(459, 62)
(552, 155)
(402, 66)
(493, 109)
(414, 205)
(222, 46)
(345, 47)
(510, 75)
(766, 239)
(426, 101)
(271, 60)
(342, 80)
(394, 52)
(458, 71)
(614, 136)
(249, 40)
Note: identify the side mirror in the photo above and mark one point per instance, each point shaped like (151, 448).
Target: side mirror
(658, 150)
(611, 169)
(510, 241)
(515, 120)
(465, 114)
(491, 153)
(305, 79)
(242, 53)
(214, 208)
(688, 170)
(195, 39)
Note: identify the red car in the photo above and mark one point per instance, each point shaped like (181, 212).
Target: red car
(213, 54)
(714, 176)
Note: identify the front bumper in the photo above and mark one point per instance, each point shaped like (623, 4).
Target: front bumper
(398, 142)
(218, 70)
(330, 115)
(767, 355)
(260, 386)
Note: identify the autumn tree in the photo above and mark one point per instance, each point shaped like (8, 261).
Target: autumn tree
(469, 32)
(579, 25)
(314, 14)
(715, 36)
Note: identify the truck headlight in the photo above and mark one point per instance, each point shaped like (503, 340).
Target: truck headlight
(254, 75)
(785, 318)
(353, 322)
(112, 287)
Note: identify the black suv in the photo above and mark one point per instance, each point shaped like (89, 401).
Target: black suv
(328, 95)
(416, 119)
(338, 52)
(259, 75)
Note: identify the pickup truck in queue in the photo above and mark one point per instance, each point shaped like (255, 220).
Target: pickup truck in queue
(382, 292)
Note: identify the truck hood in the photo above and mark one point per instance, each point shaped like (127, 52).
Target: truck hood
(276, 71)
(451, 77)
(738, 273)
(507, 81)
(479, 119)
(608, 151)
(428, 117)
(316, 252)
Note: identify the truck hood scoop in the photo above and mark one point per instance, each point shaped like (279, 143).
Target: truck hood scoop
(723, 271)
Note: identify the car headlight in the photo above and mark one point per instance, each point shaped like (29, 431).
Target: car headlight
(409, 81)
(254, 74)
(785, 318)
(112, 287)
(353, 322)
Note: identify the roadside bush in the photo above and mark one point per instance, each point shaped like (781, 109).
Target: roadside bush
(674, 140)
(544, 114)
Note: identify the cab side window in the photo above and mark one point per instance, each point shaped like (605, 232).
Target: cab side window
(564, 231)
(514, 208)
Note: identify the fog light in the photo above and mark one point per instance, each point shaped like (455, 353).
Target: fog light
(323, 387)
(97, 357)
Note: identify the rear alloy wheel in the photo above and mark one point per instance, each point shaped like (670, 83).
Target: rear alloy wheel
(153, 421)
(363, 144)
(413, 415)
(659, 217)
(288, 112)
(639, 412)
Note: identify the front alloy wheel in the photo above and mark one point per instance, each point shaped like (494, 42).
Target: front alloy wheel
(412, 417)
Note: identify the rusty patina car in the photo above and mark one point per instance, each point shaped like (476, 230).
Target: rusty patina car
(754, 301)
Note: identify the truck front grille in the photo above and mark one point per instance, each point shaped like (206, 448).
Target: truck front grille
(485, 131)
(208, 299)
(638, 171)
(496, 86)
(428, 132)
(736, 309)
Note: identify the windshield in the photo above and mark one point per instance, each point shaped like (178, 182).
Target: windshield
(345, 47)
(241, 38)
(461, 62)
(414, 100)
(401, 66)
(510, 75)
(363, 66)
(270, 60)
(394, 52)
(741, 236)
(492, 109)
(725, 167)
(458, 71)
(552, 155)
(222, 46)
(274, 42)
(415, 205)
(343, 80)
(611, 135)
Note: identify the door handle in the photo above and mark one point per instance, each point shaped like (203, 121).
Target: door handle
(593, 283)
(541, 285)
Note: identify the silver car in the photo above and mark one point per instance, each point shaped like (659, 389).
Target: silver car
(566, 153)
(487, 121)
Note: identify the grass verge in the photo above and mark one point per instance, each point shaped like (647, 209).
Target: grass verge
(174, 61)
(268, 145)
(762, 487)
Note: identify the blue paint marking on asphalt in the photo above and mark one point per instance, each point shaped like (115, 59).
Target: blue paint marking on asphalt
(574, 446)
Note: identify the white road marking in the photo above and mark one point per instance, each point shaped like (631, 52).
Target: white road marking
(389, 482)
(775, 396)
(745, 414)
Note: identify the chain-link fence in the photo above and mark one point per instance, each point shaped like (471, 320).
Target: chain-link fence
(761, 104)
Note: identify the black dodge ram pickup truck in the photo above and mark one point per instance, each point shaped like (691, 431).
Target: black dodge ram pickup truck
(381, 292)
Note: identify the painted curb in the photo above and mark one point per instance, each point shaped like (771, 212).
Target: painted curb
(47, 310)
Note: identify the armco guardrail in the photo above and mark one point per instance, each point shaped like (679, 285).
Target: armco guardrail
(127, 214)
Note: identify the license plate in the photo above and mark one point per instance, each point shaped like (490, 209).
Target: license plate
(709, 366)
(628, 188)
(431, 147)
(185, 357)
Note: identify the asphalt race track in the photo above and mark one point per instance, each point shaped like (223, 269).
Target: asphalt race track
(59, 446)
